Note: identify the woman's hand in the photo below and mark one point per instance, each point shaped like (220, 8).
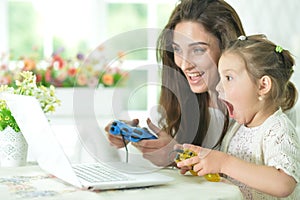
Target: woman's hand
(158, 151)
(116, 140)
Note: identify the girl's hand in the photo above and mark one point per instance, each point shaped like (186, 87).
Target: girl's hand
(116, 140)
(158, 150)
(207, 161)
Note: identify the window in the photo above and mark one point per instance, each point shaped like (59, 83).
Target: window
(45, 26)
(80, 26)
(77, 25)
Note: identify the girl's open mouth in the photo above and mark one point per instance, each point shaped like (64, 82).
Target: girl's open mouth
(229, 108)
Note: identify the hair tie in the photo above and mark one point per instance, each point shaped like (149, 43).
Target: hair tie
(242, 37)
(278, 49)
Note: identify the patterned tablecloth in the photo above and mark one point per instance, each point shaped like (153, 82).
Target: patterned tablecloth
(30, 182)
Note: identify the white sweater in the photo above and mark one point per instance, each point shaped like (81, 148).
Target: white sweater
(274, 143)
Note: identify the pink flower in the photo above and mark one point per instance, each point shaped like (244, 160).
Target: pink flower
(81, 79)
(62, 76)
(48, 77)
(4, 80)
(92, 82)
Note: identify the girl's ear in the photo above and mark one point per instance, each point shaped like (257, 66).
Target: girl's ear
(265, 84)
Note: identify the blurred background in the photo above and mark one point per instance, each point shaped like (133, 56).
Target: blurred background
(38, 28)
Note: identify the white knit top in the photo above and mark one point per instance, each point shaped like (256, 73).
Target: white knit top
(274, 143)
(215, 128)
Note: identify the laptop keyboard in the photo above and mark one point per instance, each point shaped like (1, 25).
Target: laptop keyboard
(96, 172)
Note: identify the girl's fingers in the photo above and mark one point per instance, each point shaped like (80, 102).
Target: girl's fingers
(191, 147)
(201, 152)
(189, 162)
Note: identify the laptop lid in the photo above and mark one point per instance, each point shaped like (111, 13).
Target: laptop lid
(38, 134)
(49, 153)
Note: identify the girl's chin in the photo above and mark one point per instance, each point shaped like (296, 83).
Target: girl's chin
(240, 121)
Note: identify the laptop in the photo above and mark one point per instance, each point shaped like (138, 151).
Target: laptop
(51, 157)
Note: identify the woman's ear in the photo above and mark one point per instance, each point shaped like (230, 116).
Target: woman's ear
(265, 85)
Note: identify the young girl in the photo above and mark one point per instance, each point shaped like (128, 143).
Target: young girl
(262, 149)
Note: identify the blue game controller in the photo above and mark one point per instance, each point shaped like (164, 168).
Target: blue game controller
(130, 133)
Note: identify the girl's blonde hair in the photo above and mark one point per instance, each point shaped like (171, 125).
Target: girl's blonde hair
(264, 58)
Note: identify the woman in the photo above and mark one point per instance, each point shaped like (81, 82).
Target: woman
(189, 48)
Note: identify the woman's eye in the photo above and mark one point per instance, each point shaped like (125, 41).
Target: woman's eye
(198, 51)
(176, 49)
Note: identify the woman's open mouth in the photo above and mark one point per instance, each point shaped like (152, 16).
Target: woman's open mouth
(195, 76)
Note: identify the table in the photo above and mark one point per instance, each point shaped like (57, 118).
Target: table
(30, 182)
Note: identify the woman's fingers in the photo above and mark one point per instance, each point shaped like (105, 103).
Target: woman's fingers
(177, 146)
(116, 141)
(153, 127)
(107, 127)
(134, 122)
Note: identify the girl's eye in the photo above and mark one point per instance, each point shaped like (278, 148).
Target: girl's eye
(228, 78)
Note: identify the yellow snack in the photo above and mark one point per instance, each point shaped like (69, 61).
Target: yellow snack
(186, 154)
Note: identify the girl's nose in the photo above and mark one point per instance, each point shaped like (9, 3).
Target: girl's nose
(219, 87)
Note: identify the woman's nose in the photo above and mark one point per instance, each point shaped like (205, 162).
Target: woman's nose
(186, 64)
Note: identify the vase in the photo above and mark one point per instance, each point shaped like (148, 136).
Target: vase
(13, 148)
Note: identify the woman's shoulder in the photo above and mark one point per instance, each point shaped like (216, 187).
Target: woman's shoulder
(216, 112)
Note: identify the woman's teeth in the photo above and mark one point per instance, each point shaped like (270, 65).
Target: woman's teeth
(195, 75)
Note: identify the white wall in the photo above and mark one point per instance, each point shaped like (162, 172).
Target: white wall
(278, 20)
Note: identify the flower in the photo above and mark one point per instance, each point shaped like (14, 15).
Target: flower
(27, 85)
(107, 79)
(79, 71)
(112, 79)
(82, 72)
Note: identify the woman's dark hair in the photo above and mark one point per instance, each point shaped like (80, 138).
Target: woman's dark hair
(219, 19)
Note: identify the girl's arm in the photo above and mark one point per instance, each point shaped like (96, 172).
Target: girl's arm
(260, 177)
